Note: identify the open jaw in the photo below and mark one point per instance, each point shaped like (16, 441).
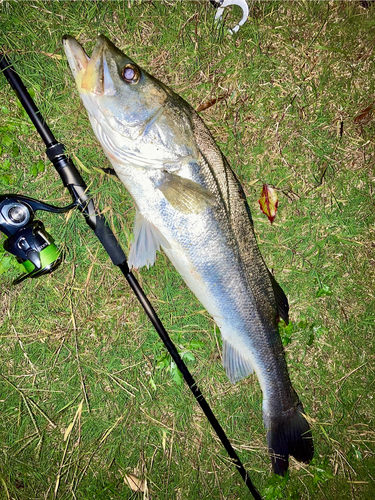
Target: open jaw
(91, 74)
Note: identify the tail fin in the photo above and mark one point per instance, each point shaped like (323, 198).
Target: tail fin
(289, 434)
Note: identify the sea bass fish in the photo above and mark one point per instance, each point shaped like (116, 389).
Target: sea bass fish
(190, 203)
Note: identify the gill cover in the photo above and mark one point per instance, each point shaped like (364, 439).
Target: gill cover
(138, 119)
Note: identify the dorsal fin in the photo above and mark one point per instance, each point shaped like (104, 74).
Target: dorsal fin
(281, 299)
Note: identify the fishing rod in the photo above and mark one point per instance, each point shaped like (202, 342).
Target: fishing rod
(35, 249)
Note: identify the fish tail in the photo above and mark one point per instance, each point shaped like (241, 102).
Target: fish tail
(289, 434)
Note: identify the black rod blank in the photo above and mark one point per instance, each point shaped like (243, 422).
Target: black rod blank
(78, 189)
(26, 100)
(190, 381)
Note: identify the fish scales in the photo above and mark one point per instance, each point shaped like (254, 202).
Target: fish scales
(190, 203)
(251, 267)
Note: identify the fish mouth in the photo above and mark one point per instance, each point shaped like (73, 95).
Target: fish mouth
(91, 73)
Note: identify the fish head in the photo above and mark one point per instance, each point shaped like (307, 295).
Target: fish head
(134, 116)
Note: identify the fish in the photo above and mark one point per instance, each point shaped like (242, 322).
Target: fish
(190, 204)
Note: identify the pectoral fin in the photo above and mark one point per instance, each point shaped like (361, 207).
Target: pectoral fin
(147, 240)
(185, 195)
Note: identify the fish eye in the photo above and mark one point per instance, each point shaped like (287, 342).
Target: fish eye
(130, 73)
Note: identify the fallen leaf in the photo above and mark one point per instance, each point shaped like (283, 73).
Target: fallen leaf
(268, 201)
(134, 483)
(211, 102)
(365, 115)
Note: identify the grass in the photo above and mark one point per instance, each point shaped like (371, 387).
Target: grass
(87, 395)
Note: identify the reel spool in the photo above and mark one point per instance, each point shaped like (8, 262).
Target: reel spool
(27, 238)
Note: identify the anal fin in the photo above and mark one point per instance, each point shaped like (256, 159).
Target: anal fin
(236, 365)
(147, 240)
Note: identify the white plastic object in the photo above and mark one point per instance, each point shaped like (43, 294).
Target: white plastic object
(240, 3)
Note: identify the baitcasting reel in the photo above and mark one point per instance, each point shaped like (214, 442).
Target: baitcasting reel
(27, 238)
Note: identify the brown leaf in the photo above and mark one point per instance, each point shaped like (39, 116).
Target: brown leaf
(269, 201)
(211, 102)
(134, 483)
(365, 115)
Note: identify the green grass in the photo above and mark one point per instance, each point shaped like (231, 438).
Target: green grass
(75, 346)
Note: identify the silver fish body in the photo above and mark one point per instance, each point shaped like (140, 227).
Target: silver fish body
(190, 203)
